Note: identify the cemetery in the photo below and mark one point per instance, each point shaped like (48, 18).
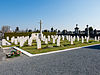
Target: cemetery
(39, 43)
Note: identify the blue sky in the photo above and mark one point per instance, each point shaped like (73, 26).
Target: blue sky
(60, 14)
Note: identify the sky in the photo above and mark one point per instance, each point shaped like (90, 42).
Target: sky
(59, 14)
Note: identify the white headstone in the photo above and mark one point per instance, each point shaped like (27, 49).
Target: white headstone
(95, 38)
(21, 43)
(15, 41)
(30, 42)
(52, 36)
(74, 38)
(66, 37)
(69, 39)
(87, 39)
(54, 40)
(58, 42)
(59, 37)
(46, 41)
(98, 38)
(3, 42)
(48, 38)
(62, 37)
(78, 38)
(72, 41)
(12, 39)
(82, 39)
(18, 38)
(7, 38)
(38, 44)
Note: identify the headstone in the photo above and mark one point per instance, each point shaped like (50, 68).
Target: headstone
(15, 41)
(72, 41)
(46, 41)
(52, 36)
(3, 42)
(59, 37)
(95, 38)
(82, 39)
(7, 38)
(12, 39)
(78, 38)
(58, 42)
(87, 39)
(30, 42)
(21, 43)
(18, 38)
(62, 37)
(54, 40)
(48, 38)
(74, 38)
(98, 38)
(38, 44)
(56, 36)
(69, 39)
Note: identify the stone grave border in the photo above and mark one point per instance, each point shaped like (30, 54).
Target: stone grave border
(31, 55)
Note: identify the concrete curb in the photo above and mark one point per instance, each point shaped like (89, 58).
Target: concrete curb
(31, 55)
(25, 52)
(62, 50)
(6, 48)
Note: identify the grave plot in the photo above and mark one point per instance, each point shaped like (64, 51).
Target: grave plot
(34, 44)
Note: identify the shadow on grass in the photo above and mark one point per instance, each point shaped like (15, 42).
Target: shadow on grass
(97, 47)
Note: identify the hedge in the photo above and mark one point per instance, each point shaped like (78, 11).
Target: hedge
(11, 34)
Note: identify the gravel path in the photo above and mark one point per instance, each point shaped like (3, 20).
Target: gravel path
(84, 61)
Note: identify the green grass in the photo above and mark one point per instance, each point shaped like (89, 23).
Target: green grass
(64, 45)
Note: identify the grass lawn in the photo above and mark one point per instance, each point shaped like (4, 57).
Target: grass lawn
(46, 48)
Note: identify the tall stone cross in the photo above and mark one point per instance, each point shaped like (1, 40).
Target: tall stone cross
(40, 29)
(88, 30)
